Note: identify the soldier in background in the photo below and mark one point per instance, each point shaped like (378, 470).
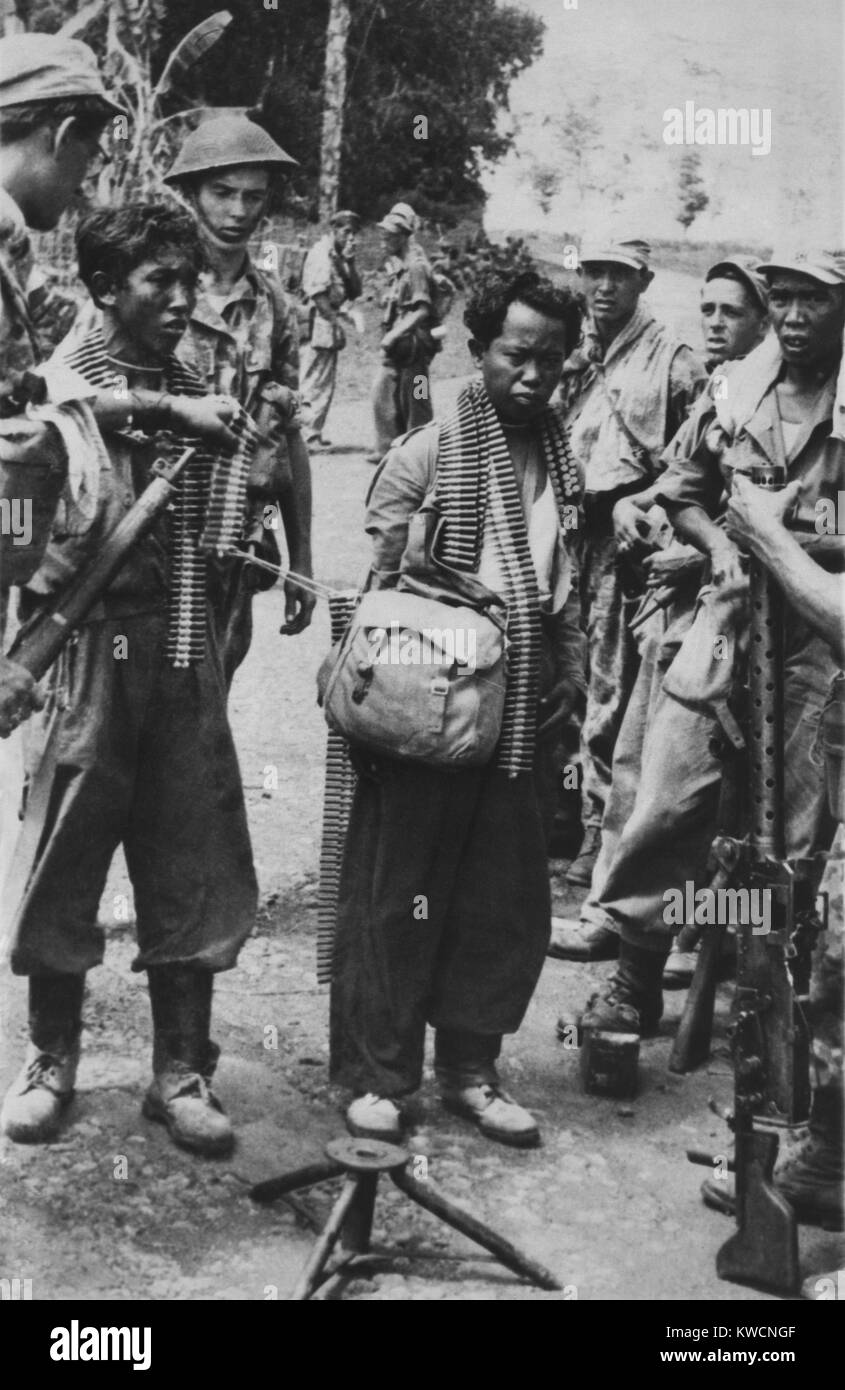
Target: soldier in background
(242, 340)
(627, 390)
(330, 280)
(401, 390)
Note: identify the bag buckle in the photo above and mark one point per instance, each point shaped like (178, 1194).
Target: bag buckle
(365, 675)
(438, 689)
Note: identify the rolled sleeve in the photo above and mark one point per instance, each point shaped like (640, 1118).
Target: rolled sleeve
(692, 477)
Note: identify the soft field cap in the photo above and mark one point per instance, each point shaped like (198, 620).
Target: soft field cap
(828, 267)
(46, 67)
(630, 251)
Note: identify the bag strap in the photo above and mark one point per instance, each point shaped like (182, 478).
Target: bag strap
(640, 451)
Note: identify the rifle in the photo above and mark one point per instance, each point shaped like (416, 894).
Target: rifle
(770, 1038)
(40, 639)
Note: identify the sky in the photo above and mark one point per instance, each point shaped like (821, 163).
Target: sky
(629, 61)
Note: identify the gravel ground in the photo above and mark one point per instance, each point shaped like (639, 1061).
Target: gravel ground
(113, 1210)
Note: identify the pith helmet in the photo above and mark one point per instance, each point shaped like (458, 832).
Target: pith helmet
(225, 141)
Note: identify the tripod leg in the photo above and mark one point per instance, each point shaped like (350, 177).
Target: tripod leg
(317, 1260)
(359, 1221)
(272, 1188)
(427, 1196)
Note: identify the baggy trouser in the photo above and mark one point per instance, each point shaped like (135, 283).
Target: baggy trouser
(667, 838)
(131, 751)
(613, 664)
(443, 918)
(658, 643)
(401, 399)
(317, 385)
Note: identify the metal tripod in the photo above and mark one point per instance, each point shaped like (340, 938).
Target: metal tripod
(359, 1162)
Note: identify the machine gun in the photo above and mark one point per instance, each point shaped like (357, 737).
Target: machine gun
(40, 639)
(770, 1038)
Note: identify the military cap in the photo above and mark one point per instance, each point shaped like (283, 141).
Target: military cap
(401, 218)
(47, 67)
(746, 270)
(630, 251)
(223, 142)
(345, 218)
(828, 267)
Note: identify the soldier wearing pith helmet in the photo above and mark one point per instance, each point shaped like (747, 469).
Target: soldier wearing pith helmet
(243, 340)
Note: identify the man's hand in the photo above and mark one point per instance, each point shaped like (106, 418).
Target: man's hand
(556, 706)
(671, 567)
(299, 602)
(19, 695)
(206, 416)
(754, 513)
(630, 524)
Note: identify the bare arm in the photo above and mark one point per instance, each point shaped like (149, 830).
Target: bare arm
(756, 518)
(295, 507)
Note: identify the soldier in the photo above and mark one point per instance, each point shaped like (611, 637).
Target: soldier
(134, 746)
(779, 406)
(329, 281)
(401, 390)
(53, 110)
(242, 340)
(734, 318)
(505, 484)
(627, 390)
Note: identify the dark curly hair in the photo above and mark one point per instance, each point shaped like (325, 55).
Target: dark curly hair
(116, 240)
(495, 291)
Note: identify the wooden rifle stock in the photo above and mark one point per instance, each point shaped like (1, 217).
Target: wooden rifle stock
(39, 641)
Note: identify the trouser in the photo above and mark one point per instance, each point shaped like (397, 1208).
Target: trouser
(232, 605)
(613, 663)
(443, 918)
(401, 399)
(667, 838)
(319, 375)
(658, 643)
(133, 752)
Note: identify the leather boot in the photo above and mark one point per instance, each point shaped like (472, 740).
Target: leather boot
(34, 1104)
(632, 999)
(184, 1059)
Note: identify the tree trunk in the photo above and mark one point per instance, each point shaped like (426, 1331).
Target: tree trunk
(334, 94)
(11, 20)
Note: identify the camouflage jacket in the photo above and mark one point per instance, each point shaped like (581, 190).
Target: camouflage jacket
(20, 348)
(247, 341)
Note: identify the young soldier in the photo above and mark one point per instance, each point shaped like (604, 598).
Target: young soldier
(53, 110)
(501, 476)
(734, 318)
(401, 390)
(627, 390)
(779, 406)
(329, 280)
(242, 340)
(134, 747)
